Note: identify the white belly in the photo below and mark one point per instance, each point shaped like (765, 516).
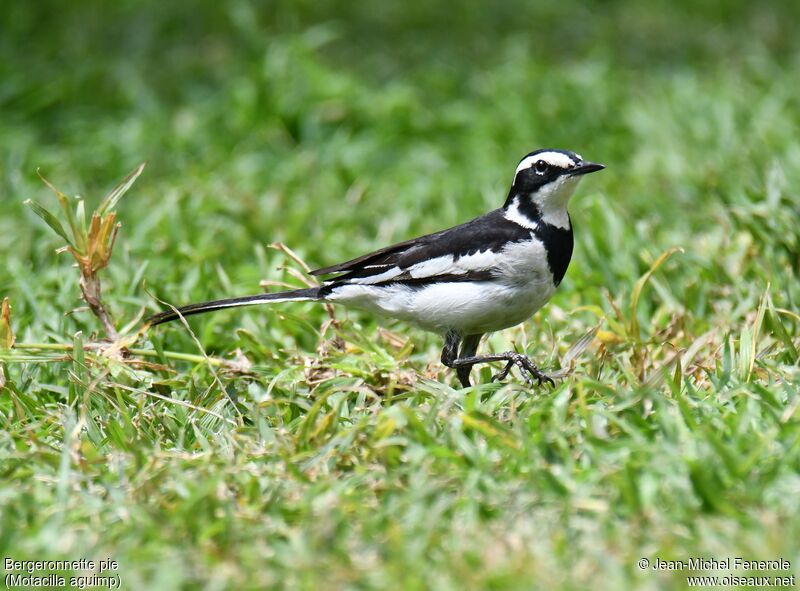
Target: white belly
(523, 285)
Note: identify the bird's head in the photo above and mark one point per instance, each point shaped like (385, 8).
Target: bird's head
(544, 181)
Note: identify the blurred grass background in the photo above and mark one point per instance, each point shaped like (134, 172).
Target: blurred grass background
(338, 128)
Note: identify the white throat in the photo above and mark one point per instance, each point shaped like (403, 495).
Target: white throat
(552, 200)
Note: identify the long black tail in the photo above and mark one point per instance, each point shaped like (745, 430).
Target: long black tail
(311, 293)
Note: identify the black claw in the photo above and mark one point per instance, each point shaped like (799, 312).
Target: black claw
(530, 371)
(503, 373)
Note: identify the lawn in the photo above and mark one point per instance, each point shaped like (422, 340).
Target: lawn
(292, 446)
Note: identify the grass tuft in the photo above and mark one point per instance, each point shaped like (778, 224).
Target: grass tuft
(91, 246)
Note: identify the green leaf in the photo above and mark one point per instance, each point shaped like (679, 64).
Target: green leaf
(50, 220)
(775, 325)
(746, 357)
(77, 376)
(677, 377)
(637, 290)
(113, 197)
(490, 428)
(66, 206)
(757, 325)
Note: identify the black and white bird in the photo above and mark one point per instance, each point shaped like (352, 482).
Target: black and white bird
(487, 274)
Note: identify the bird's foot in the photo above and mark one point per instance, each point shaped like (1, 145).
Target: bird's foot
(528, 369)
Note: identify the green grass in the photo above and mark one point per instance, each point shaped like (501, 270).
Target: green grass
(343, 455)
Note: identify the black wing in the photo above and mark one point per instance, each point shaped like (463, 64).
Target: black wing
(440, 256)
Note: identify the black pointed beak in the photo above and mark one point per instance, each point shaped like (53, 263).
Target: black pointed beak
(586, 168)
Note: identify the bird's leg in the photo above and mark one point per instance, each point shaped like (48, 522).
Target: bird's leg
(464, 361)
(529, 369)
(450, 354)
(468, 349)
(450, 351)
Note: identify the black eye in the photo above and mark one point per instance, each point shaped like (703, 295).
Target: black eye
(540, 167)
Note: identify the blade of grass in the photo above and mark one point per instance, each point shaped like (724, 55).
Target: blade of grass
(113, 196)
(637, 290)
(66, 207)
(50, 220)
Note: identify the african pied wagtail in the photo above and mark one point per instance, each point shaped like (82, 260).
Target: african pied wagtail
(490, 273)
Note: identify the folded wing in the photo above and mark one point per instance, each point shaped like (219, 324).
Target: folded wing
(464, 253)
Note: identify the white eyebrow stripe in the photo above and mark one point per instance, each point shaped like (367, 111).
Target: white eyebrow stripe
(554, 158)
